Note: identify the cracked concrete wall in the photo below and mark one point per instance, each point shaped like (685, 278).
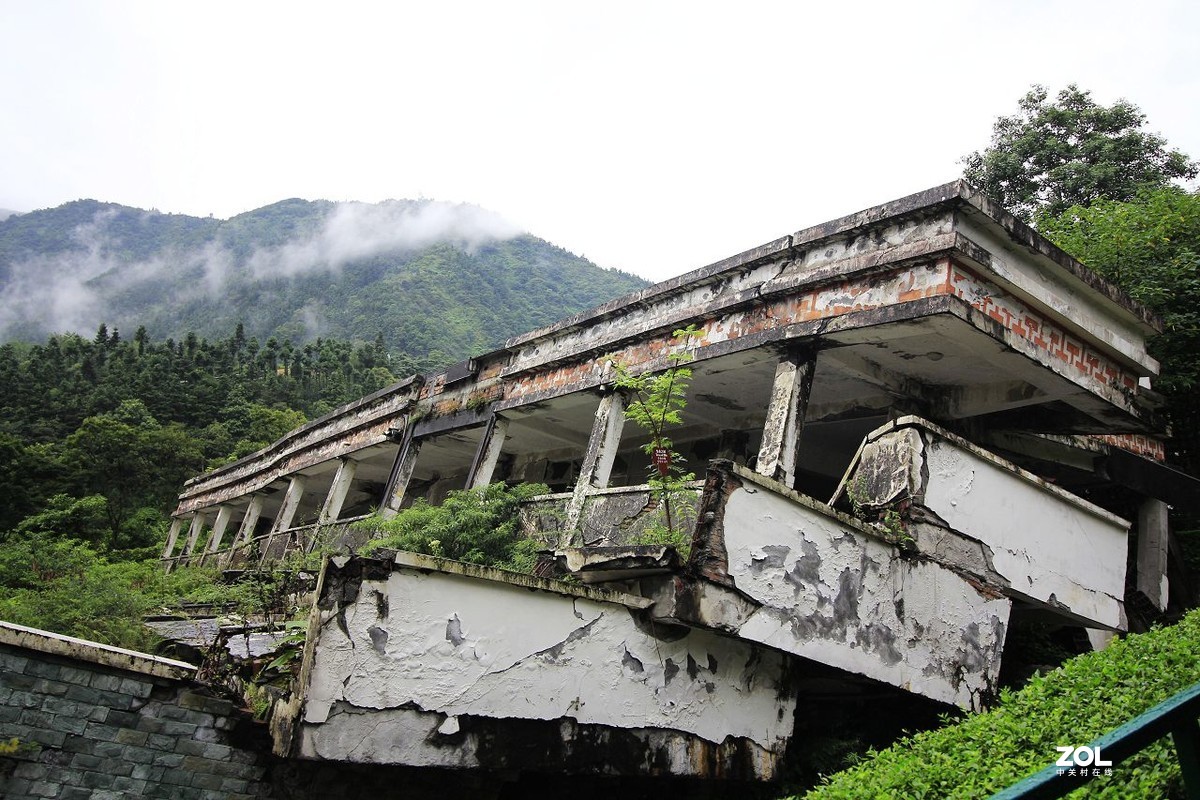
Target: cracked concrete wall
(614, 516)
(425, 666)
(620, 516)
(946, 250)
(974, 511)
(833, 593)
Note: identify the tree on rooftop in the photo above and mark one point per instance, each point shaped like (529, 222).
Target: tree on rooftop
(1052, 155)
(656, 402)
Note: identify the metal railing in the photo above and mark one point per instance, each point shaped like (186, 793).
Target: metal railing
(1175, 716)
(269, 548)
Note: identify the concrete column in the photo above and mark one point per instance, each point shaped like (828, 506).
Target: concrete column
(172, 536)
(246, 529)
(218, 532)
(601, 451)
(777, 456)
(286, 515)
(1152, 546)
(194, 531)
(488, 454)
(402, 472)
(1099, 639)
(291, 502)
(338, 491)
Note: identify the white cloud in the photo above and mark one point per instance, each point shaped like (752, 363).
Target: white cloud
(652, 137)
(73, 290)
(356, 231)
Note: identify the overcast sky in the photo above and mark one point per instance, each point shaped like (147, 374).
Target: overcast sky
(649, 136)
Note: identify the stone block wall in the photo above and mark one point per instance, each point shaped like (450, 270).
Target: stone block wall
(88, 730)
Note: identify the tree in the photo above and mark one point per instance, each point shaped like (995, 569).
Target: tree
(256, 426)
(656, 402)
(64, 517)
(1051, 156)
(130, 459)
(26, 471)
(478, 526)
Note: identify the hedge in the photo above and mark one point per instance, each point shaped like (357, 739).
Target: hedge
(1080, 701)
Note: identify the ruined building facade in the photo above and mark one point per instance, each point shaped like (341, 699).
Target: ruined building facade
(895, 417)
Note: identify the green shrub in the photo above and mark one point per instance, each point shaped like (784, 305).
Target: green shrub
(1085, 698)
(678, 533)
(87, 596)
(478, 526)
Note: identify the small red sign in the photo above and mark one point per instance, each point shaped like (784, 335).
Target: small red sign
(662, 460)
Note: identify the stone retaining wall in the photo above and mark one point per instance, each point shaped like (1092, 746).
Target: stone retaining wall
(82, 727)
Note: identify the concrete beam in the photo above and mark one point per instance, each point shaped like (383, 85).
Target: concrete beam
(173, 536)
(488, 455)
(601, 451)
(338, 490)
(194, 531)
(988, 398)
(890, 382)
(291, 504)
(785, 417)
(287, 511)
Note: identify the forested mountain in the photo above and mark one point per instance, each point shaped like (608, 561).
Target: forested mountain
(98, 434)
(158, 412)
(143, 348)
(438, 281)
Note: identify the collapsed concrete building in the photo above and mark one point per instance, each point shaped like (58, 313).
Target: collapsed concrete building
(916, 428)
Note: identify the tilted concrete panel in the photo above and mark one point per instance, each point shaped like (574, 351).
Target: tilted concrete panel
(437, 664)
(974, 511)
(835, 592)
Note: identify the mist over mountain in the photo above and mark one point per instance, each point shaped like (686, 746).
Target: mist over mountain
(439, 281)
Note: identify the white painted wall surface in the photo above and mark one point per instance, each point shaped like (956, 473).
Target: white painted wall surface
(1050, 549)
(459, 645)
(837, 595)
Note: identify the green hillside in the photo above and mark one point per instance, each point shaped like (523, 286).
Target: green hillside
(438, 281)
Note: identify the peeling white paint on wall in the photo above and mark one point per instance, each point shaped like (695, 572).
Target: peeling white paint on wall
(839, 596)
(1059, 553)
(429, 641)
(1039, 542)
